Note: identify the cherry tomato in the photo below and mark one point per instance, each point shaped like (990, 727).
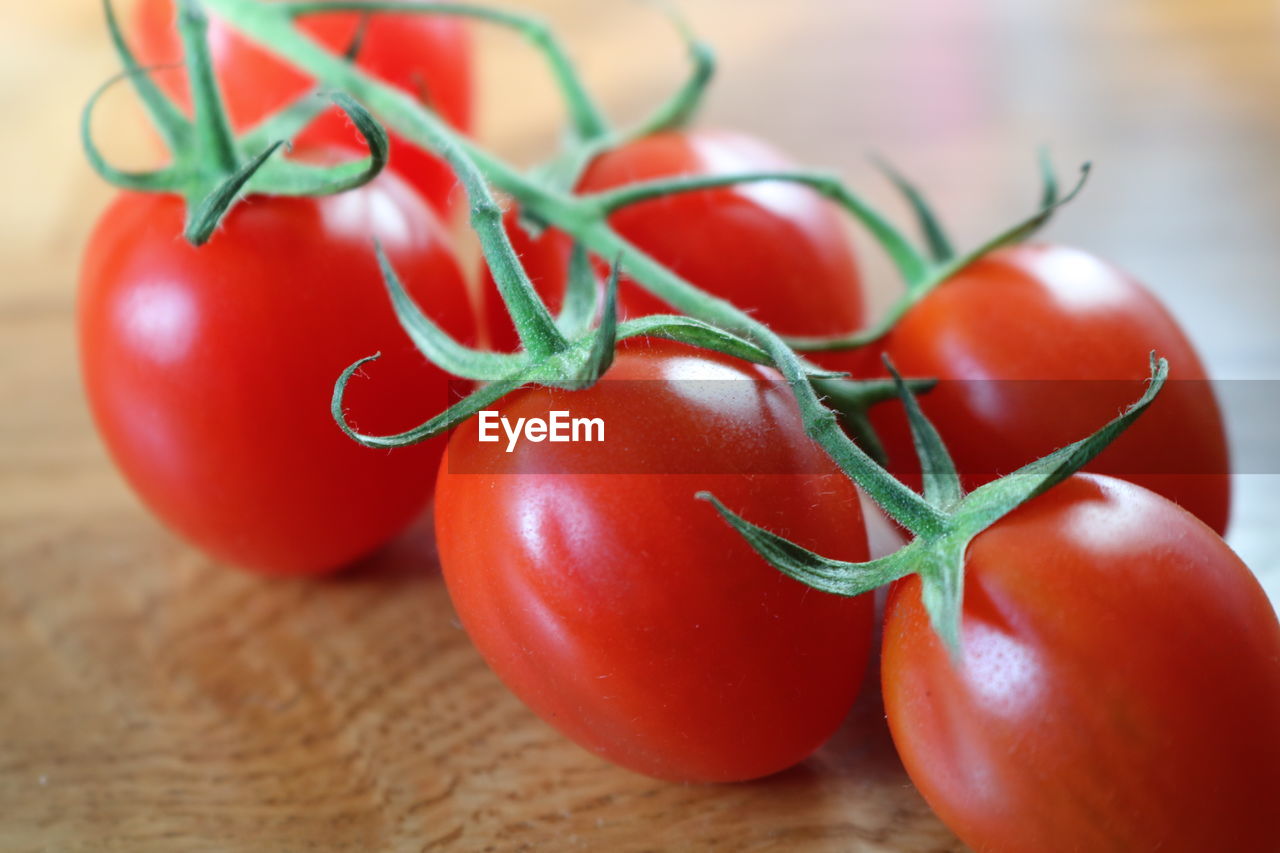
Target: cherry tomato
(1037, 345)
(1119, 688)
(629, 615)
(209, 371)
(428, 56)
(776, 250)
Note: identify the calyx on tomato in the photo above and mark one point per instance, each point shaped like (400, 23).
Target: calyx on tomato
(212, 169)
(947, 519)
(560, 352)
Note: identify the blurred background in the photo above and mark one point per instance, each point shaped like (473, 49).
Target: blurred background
(103, 615)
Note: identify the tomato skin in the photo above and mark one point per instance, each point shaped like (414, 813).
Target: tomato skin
(630, 616)
(1032, 313)
(209, 371)
(1120, 687)
(429, 56)
(775, 250)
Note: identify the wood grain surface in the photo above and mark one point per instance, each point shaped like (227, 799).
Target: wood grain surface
(153, 701)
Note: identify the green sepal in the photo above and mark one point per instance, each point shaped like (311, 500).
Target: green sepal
(938, 472)
(288, 122)
(581, 295)
(939, 245)
(212, 169)
(987, 504)
(604, 342)
(441, 423)
(938, 555)
(582, 364)
(920, 286)
(941, 570)
(203, 216)
(301, 179)
(283, 178)
(838, 577)
(441, 348)
(291, 120)
(1025, 228)
(160, 180)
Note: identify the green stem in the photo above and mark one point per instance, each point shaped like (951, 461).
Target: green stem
(587, 120)
(681, 106)
(912, 266)
(566, 169)
(905, 506)
(534, 323)
(214, 138)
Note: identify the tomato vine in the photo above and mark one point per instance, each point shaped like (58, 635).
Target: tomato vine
(565, 352)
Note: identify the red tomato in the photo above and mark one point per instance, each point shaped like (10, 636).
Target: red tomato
(428, 56)
(629, 615)
(776, 250)
(1038, 345)
(1120, 686)
(209, 371)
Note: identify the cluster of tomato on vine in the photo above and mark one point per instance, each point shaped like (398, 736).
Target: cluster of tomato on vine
(1042, 683)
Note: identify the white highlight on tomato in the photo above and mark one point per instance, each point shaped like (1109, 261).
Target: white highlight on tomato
(1080, 281)
(1006, 672)
(160, 318)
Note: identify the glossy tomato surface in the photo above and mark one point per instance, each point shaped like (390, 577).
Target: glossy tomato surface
(209, 371)
(428, 56)
(626, 613)
(1039, 346)
(778, 251)
(1119, 690)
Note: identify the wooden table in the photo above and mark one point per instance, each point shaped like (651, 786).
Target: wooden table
(154, 701)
